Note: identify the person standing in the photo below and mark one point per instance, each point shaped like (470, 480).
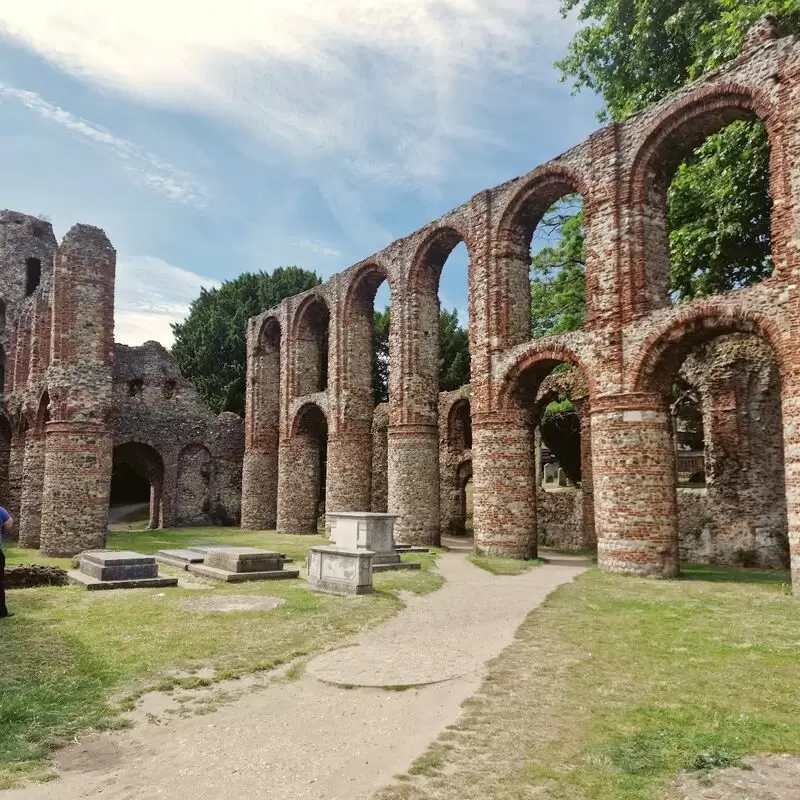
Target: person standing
(6, 524)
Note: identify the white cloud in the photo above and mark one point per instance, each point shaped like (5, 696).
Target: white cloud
(146, 168)
(387, 88)
(320, 248)
(150, 294)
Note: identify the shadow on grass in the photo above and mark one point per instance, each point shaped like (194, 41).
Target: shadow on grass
(717, 574)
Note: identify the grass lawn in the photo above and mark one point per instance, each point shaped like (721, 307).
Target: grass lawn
(72, 660)
(504, 566)
(616, 683)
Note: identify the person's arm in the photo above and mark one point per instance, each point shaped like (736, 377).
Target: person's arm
(6, 519)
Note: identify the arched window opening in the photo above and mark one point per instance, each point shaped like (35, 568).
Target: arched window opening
(701, 186)
(33, 275)
(718, 212)
(135, 387)
(460, 427)
(558, 269)
(137, 480)
(367, 329)
(311, 367)
(453, 290)
(541, 258)
(169, 389)
(440, 286)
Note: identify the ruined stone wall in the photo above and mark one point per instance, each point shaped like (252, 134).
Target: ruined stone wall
(199, 456)
(629, 349)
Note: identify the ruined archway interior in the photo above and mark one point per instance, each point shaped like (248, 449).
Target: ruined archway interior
(739, 514)
(137, 480)
(312, 347)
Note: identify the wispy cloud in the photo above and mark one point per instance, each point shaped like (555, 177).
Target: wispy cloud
(146, 168)
(320, 248)
(390, 90)
(150, 295)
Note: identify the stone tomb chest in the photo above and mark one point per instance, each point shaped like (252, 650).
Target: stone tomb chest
(340, 570)
(124, 569)
(237, 564)
(365, 530)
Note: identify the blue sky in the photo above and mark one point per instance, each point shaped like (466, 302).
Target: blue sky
(211, 138)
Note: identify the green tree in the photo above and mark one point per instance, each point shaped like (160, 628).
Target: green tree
(210, 345)
(453, 354)
(635, 52)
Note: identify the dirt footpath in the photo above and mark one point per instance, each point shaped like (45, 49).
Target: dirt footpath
(314, 738)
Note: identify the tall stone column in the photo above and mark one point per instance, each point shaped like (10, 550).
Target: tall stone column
(633, 464)
(78, 445)
(30, 518)
(262, 404)
(78, 462)
(414, 482)
(5, 455)
(298, 484)
(260, 488)
(504, 492)
(349, 475)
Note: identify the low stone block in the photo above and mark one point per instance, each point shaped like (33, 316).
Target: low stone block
(204, 548)
(77, 577)
(122, 565)
(228, 576)
(243, 559)
(340, 570)
(399, 565)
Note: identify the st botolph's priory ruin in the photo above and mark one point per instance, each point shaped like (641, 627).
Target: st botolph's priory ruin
(75, 404)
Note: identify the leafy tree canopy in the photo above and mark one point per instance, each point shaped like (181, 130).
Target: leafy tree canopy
(210, 345)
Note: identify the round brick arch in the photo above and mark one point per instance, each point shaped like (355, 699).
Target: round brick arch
(513, 235)
(431, 254)
(301, 414)
(663, 351)
(673, 136)
(269, 326)
(541, 358)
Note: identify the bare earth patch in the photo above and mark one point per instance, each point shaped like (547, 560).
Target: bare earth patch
(230, 603)
(770, 777)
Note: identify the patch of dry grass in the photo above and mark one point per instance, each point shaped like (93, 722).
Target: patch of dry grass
(617, 683)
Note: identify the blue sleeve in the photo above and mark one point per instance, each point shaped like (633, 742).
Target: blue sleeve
(4, 515)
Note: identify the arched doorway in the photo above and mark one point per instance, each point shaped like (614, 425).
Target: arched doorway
(137, 483)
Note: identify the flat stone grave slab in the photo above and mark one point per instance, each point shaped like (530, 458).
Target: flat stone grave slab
(179, 558)
(237, 564)
(118, 570)
(204, 548)
(230, 603)
(411, 548)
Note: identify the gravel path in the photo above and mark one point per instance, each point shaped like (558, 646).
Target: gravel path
(313, 739)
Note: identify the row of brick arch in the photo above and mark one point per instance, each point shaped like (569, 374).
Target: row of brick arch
(642, 183)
